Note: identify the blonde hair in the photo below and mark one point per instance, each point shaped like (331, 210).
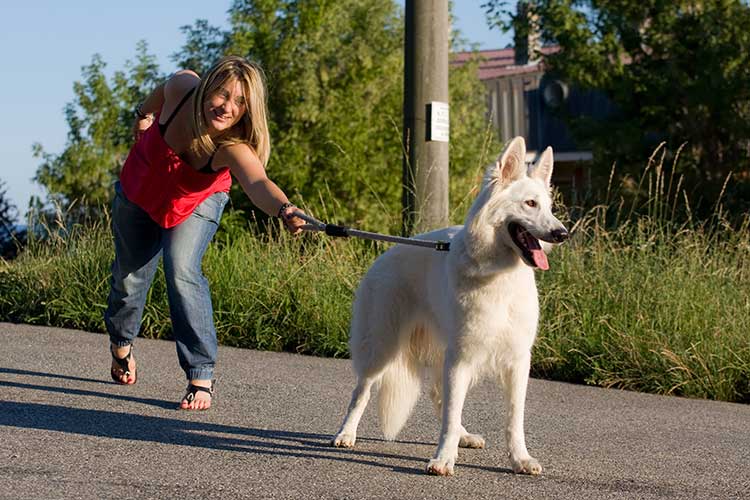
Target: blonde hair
(252, 128)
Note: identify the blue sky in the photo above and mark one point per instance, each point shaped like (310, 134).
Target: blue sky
(45, 43)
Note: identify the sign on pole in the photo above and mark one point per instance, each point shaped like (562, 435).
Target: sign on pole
(438, 121)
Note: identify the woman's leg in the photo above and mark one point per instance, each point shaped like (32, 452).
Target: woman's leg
(137, 241)
(189, 296)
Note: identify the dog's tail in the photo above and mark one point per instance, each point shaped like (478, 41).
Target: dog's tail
(398, 392)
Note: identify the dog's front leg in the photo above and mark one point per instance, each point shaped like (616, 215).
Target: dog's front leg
(515, 379)
(467, 440)
(456, 380)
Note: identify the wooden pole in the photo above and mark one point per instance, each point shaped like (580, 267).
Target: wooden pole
(425, 162)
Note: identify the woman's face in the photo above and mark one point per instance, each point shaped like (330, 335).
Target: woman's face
(224, 107)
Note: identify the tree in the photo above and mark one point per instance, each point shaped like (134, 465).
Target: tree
(677, 72)
(204, 46)
(12, 238)
(8, 211)
(79, 180)
(334, 76)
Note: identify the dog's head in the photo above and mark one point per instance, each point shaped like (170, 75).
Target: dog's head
(514, 207)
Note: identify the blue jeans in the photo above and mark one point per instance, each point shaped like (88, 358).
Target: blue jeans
(139, 243)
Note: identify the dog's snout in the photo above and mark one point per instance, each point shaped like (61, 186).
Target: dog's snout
(559, 235)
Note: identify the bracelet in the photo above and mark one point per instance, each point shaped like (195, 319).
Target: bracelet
(140, 114)
(286, 205)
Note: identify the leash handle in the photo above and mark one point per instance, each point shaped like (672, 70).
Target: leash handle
(315, 224)
(345, 232)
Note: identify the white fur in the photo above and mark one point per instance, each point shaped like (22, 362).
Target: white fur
(464, 314)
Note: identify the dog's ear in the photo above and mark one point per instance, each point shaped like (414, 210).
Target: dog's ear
(543, 168)
(511, 166)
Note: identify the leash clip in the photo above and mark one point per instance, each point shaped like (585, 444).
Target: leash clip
(336, 231)
(442, 246)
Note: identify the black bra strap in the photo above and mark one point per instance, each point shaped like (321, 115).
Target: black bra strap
(207, 169)
(163, 127)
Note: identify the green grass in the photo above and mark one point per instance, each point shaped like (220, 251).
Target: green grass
(646, 298)
(638, 308)
(635, 300)
(269, 291)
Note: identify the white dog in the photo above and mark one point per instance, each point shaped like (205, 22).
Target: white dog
(470, 312)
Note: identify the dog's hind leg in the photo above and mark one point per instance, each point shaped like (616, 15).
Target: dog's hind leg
(515, 379)
(457, 378)
(467, 440)
(347, 435)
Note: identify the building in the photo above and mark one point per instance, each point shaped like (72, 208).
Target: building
(524, 100)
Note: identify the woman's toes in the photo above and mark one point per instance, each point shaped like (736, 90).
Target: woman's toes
(199, 400)
(123, 365)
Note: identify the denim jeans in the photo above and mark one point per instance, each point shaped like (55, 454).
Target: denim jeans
(139, 243)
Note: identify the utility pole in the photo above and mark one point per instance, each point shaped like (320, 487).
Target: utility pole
(426, 116)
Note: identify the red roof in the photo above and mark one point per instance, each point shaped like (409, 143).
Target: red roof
(500, 62)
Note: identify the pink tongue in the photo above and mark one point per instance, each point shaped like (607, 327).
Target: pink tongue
(540, 259)
(537, 254)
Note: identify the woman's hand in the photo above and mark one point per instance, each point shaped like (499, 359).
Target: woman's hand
(292, 223)
(140, 125)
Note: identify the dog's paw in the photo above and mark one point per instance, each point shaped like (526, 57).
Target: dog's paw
(471, 441)
(528, 466)
(343, 440)
(440, 467)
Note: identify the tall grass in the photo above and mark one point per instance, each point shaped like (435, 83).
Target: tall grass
(642, 297)
(646, 298)
(270, 291)
(285, 293)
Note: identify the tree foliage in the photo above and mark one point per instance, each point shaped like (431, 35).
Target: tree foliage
(334, 72)
(204, 46)
(334, 76)
(12, 238)
(100, 118)
(8, 211)
(677, 71)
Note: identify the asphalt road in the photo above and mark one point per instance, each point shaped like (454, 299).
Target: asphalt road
(66, 431)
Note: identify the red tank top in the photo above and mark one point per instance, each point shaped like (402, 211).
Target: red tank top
(156, 179)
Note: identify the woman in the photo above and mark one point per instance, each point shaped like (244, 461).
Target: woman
(192, 134)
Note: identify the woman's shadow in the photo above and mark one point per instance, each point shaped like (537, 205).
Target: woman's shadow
(135, 427)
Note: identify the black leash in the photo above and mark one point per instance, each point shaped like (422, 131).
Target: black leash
(345, 232)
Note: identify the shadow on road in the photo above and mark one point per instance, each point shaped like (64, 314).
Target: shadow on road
(14, 371)
(167, 405)
(173, 431)
(134, 427)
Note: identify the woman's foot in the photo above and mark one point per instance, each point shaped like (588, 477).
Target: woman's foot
(198, 396)
(123, 369)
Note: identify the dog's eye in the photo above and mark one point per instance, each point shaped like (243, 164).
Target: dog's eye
(531, 203)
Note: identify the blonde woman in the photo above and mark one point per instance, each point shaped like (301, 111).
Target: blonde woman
(192, 135)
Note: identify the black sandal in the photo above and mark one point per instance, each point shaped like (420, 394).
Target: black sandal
(192, 390)
(122, 364)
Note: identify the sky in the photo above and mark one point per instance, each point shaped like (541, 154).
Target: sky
(45, 43)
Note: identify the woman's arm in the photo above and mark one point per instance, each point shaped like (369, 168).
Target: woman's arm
(153, 103)
(144, 112)
(262, 191)
(173, 89)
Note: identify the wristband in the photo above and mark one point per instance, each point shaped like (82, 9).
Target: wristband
(140, 114)
(286, 205)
